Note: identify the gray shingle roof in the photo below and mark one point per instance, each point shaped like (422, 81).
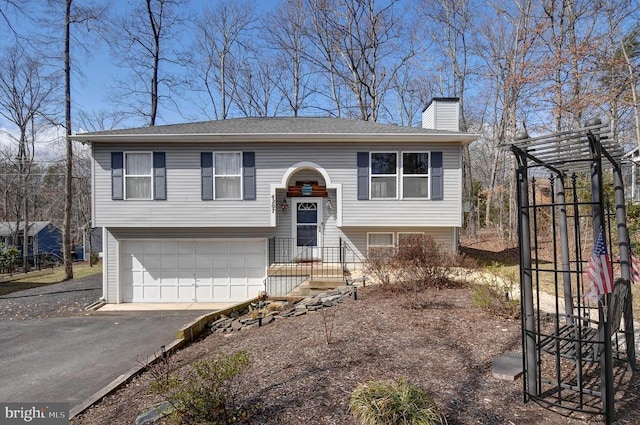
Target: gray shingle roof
(7, 228)
(272, 125)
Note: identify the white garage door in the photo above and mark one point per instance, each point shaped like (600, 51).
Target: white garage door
(192, 271)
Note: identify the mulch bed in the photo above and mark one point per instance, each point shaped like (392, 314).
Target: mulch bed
(435, 339)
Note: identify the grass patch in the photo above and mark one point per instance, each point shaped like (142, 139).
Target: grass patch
(79, 270)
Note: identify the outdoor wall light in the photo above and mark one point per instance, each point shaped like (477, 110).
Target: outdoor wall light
(284, 205)
(329, 204)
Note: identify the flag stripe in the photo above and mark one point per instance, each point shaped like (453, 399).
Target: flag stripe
(599, 274)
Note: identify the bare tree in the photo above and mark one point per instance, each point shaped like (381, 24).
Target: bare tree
(619, 57)
(368, 46)
(285, 36)
(509, 56)
(256, 82)
(145, 39)
(223, 34)
(25, 90)
(454, 27)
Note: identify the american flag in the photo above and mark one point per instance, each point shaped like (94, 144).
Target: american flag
(599, 274)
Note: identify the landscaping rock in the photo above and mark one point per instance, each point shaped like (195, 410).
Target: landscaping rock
(278, 309)
(154, 414)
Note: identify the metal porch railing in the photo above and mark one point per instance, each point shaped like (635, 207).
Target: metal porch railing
(291, 265)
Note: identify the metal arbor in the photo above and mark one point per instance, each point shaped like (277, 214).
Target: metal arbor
(572, 346)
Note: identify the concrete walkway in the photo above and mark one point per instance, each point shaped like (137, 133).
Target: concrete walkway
(164, 306)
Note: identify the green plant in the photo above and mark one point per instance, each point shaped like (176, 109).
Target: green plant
(206, 393)
(494, 293)
(394, 403)
(94, 258)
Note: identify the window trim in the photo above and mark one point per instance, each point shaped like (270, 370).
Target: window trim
(371, 176)
(393, 240)
(125, 176)
(403, 175)
(240, 174)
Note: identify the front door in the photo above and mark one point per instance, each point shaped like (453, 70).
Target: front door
(307, 228)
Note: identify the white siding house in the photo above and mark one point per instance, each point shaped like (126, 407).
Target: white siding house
(194, 212)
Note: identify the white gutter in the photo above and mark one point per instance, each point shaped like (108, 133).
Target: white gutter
(453, 137)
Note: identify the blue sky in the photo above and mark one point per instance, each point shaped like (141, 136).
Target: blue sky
(90, 89)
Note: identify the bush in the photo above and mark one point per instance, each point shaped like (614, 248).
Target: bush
(379, 264)
(390, 403)
(417, 263)
(494, 293)
(207, 392)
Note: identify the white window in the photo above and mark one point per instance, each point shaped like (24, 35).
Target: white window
(415, 174)
(384, 175)
(227, 175)
(381, 242)
(137, 175)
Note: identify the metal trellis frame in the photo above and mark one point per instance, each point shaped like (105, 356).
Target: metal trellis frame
(573, 347)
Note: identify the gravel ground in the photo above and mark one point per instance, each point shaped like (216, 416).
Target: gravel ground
(56, 300)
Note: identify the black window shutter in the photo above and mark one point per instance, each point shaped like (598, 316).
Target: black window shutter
(117, 175)
(437, 188)
(363, 175)
(206, 165)
(159, 176)
(249, 175)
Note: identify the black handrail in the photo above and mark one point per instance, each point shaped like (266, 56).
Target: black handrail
(291, 265)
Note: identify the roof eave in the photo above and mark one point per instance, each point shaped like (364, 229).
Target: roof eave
(464, 138)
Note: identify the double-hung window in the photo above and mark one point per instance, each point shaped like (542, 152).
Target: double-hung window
(384, 175)
(227, 175)
(415, 174)
(138, 172)
(400, 175)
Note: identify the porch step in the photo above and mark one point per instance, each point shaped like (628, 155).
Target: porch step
(305, 269)
(316, 286)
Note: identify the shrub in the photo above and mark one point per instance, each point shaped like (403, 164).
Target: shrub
(207, 392)
(390, 403)
(379, 264)
(494, 293)
(417, 263)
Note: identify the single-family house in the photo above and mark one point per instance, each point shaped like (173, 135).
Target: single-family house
(44, 237)
(204, 211)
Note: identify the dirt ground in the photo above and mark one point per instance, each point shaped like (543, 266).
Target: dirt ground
(435, 339)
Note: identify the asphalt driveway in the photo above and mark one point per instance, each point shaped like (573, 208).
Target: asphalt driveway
(66, 355)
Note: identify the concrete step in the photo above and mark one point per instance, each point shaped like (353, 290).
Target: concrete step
(305, 269)
(316, 286)
(324, 283)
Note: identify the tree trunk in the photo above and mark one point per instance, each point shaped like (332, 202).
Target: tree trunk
(68, 193)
